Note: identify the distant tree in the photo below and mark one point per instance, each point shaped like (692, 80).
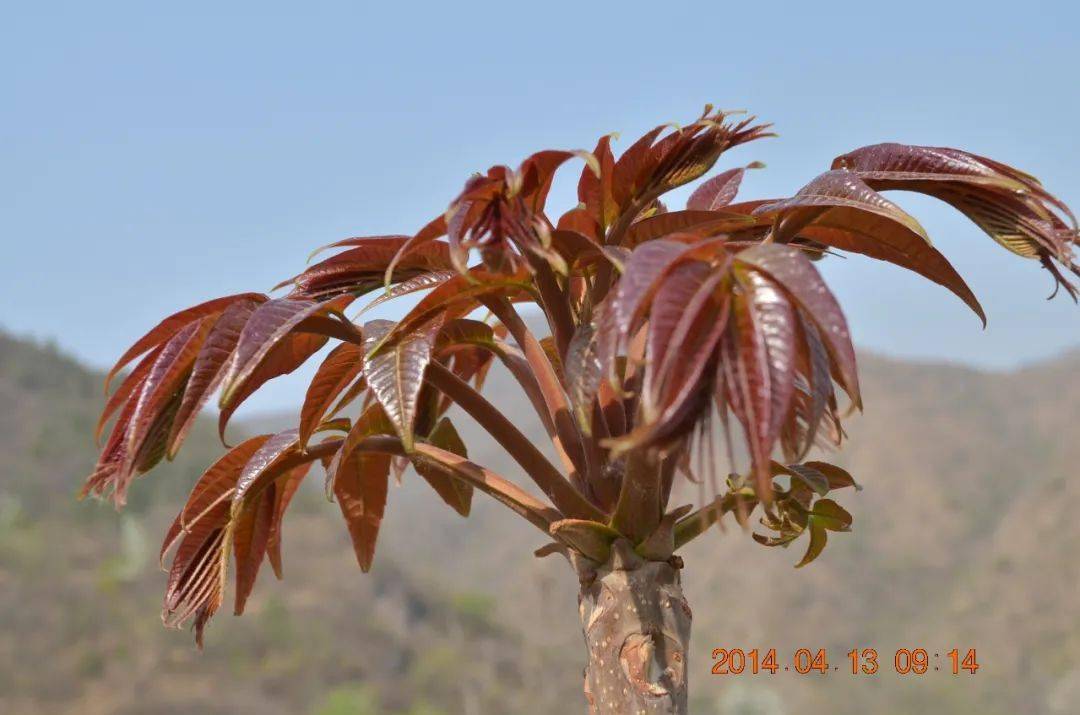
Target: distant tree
(664, 325)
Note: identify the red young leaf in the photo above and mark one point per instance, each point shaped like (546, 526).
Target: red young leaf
(578, 220)
(816, 394)
(360, 488)
(285, 490)
(210, 367)
(460, 296)
(829, 190)
(363, 267)
(790, 269)
(197, 574)
(760, 368)
(677, 392)
(357, 241)
(595, 191)
(717, 192)
(424, 281)
(268, 325)
(289, 353)
(1011, 206)
(271, 454)
(626, 183)
(372, 421)
(646, 265)
(251, 533)
(699, 222)
(839, 210)
(171, 325)
(395, 373)
(359, 479)
(454, 492)
(340, 368)
(164, 381)
(212, 494)
(537, 172)
(130, 385)
(673, 301)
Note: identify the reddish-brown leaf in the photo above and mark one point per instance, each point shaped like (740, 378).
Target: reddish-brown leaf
(424, 281)
(210, 366)
(210, 498)
(838, 209)
(358, 241)
(789, 268)
(897, 164)
(583, 374)
(459, 296)
(336, 373)
(268, 325)
(372, 421)
(107, 472)
(818, 393)
(697, 222)
(171, 325)
(166, 378)
(153, 446)
(578, 220)
(360, 485)
(363, 267)
(649, 169)
(628, 168)
(646, 265)
(288, 354)
(1012, 207)
(879, 238)
(260, 469)
(129, 386)
(831, 190)
(251, 533)
(395, 373)
(775, 325)
(680, 384)
(536, 174)
(595, 192)
(430, 232)
(197, 585)
(456, 493)
(668, 307)
(717, 192)
(197, 575)
(285, 490)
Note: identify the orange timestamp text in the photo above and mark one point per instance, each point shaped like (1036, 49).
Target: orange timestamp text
(859, 661)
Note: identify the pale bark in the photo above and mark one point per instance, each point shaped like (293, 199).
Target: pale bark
(637, 631)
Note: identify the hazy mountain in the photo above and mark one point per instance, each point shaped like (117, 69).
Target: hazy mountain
(963, 538)
(80, 592)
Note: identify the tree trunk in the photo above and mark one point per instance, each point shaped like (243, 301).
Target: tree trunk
(637, 630)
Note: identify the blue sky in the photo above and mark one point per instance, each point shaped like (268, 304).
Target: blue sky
(153, 157)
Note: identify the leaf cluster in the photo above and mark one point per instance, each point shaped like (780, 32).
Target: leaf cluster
(664, 324)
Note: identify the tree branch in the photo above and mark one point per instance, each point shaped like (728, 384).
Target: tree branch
(566, 430)
(693, 525)
(556, 307)
(539, 514)
(503, 490)
(639, 509)
(562, 493)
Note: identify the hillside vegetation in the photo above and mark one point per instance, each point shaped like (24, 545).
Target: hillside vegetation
(963, 538)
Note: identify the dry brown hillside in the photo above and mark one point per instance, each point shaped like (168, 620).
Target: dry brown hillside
(965, 536)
